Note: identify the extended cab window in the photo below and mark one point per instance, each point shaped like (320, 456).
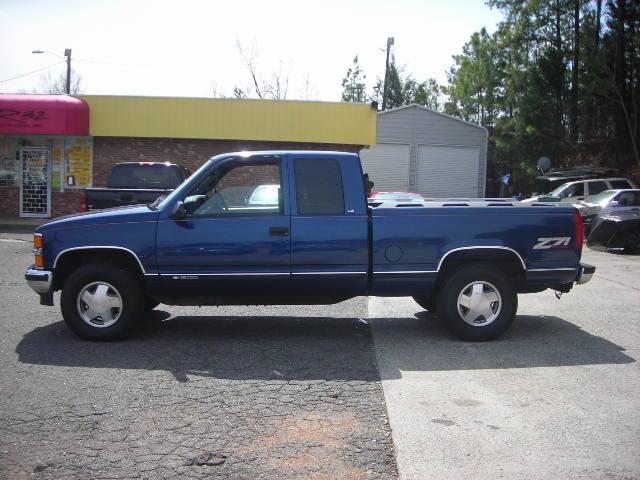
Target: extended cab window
(616, 184)
(318, 187)
(241, 187)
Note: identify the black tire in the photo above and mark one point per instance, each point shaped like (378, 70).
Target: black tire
(461, 281)
(428, 303)
(150, 304)
(121, 282)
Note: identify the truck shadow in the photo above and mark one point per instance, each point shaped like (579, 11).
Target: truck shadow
(227, 347)
(423, 344)
(316, 348)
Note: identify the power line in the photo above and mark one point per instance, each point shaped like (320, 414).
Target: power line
(30, 73)
(105, 63)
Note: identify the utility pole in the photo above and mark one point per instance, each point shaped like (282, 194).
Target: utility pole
(386, 74)
(67, 53)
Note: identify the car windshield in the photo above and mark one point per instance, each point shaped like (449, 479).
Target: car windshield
(144, 175)
(558, 192)
(602, 197)
(545, 185)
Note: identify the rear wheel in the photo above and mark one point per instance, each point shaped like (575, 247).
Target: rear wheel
(101, 302)
(478, 302)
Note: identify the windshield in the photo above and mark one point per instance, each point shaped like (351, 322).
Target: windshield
(558, 191)
(144, 176)
(568, 190)
(544, 185)
(602, 197)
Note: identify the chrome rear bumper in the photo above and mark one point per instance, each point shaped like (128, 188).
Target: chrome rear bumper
(585, 272)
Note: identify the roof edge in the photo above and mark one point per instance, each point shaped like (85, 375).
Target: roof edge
(451, 117)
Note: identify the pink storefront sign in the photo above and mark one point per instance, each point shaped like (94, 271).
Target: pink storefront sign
(28, 114)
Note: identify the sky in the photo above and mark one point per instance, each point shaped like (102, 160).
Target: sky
(189, 48)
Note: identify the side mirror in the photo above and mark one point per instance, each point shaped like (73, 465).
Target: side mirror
(614, 203)
(178, 212)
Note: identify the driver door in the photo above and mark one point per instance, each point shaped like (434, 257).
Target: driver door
(235, 238)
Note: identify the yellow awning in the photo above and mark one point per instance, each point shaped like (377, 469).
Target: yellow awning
(231, 119)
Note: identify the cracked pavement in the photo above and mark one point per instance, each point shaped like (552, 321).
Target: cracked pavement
(234, 392)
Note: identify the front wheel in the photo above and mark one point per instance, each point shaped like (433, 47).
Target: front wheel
(428, 303)
(478, 302)
(101, 302)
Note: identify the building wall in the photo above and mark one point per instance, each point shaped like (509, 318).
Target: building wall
(190, 153)
(248, 119)
(9, 201)
(109, 150)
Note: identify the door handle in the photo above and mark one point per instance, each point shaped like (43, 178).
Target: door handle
(279, 231)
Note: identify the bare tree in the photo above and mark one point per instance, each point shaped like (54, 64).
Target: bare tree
(276, 88)
(308, 88)
(250, 63)
(57, 83)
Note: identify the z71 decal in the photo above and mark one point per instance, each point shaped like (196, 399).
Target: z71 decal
(552, 242)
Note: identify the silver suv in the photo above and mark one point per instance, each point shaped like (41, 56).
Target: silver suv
(579, 189)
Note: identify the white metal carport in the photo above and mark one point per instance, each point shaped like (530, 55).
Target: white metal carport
(427, 152)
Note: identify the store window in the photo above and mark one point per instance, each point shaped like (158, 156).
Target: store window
(9, 161)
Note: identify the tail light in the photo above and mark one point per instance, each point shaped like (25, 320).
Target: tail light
(83, 202)
(579, 231)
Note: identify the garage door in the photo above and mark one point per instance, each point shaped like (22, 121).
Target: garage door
(387, 165)
(445, 171)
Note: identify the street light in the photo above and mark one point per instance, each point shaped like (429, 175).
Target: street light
(67, 53)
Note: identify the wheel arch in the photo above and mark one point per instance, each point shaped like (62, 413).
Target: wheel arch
(505, 258)
(67, 261)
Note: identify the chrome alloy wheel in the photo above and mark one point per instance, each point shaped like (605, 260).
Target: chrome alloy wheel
(99, 304)
(479, 303)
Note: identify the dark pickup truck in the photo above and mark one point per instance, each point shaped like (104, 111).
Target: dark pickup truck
(291, 227)
(134, 183)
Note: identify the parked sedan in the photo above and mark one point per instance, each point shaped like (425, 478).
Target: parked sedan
(609, 201)
(616, 231)
(574, 191)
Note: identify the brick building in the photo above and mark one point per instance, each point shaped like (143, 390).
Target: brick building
(53, 146)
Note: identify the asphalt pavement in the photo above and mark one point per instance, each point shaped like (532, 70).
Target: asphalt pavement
(238, 392)
(369, 388)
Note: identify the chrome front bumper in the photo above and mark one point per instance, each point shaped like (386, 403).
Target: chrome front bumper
(39, 280)
(585, 272)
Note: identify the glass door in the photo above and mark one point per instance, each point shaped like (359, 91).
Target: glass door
(35, 182)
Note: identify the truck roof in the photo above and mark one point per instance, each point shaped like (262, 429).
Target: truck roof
(142, 162)
(301, 153)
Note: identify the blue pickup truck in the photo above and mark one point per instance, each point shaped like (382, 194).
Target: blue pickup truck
(294, 227)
